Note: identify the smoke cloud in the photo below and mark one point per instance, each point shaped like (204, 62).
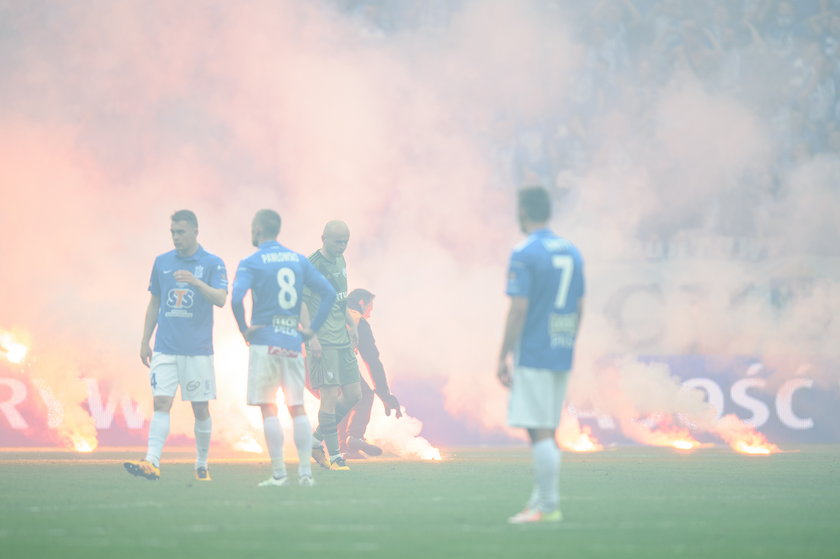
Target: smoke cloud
(114, 115)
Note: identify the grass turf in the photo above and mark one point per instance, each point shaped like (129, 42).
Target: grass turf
(627, 502)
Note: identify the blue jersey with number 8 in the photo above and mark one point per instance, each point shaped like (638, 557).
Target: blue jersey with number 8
(276, 277)
(548, 271)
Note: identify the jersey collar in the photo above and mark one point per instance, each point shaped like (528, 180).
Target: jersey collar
(195, 256)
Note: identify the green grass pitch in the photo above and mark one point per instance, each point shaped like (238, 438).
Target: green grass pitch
(626, 502)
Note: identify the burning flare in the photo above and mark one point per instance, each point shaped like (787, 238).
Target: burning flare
(82, 443)
(744, 438)
(576, 438)
(659, 430)
(248, 443)
(11, 349)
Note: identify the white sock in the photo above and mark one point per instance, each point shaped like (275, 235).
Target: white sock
(274, 441)
(546, 469)
(303, 442)
(203, 428)
(158, 431)
(534, 500)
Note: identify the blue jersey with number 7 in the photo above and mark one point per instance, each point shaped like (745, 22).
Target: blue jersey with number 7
(548, 271)
(276, 277)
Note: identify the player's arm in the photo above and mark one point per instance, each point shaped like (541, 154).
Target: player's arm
(241, 285)
(370, 355)
(352, 329)
(514, 324)
(149, 325)
(319, 285)
(313, 344)
(216, 295)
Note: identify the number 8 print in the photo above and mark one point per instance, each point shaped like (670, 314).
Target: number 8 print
(287, 296)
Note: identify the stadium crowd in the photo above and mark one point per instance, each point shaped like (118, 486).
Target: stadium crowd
(779, 58)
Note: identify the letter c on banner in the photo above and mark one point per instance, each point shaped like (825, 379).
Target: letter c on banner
(784, 404)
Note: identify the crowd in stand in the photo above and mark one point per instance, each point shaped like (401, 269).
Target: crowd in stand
(779, 58)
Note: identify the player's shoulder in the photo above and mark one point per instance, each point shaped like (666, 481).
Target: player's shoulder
(208, 257)
(166, 257)
(317, 259)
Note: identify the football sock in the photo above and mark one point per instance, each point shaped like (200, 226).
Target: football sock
(546, 468)
(329, 430)
(534, 500)
(274, 441)
(340, 412)
(203, 428)
(318, 435)
(303, 443)
(158, 431)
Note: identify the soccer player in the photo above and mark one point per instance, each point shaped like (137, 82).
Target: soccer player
(185, 284)
(333, 369)
(360, 307)
(546, 287)
(276, 277)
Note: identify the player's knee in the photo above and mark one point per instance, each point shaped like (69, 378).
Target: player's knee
(351, 395)
(295, 411)
(329, 396)
(163, 403)
(268, 410)
(201, 410)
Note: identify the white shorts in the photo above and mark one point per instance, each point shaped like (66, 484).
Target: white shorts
(270, 368)
(194, 373)
(536, 398)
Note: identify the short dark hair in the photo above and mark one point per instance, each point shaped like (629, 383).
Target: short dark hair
(535, 202)
(269, 222)
(186, 215)
(357, 295)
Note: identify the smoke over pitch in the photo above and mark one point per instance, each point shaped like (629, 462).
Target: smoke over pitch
(114, 115)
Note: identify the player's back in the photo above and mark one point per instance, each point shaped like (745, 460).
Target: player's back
(276, 276)
(551, 272)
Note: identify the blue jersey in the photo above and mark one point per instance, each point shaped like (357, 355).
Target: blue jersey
(185, 318)
(548, 271)
(276, 277)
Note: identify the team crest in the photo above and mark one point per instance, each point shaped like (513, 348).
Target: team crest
(199, 271)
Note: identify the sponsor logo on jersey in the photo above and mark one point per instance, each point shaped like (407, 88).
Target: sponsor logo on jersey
(180, 298)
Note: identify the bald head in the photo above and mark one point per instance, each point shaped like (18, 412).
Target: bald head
(335, 238)
(336, 227)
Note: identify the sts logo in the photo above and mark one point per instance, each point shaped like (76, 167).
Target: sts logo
(180, 298)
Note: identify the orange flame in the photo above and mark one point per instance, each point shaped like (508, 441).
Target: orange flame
(582, 442)
(430, 453)
(82, 443)
(744, 438)
(11, 349)
(247, 443)
(662, 433)
(572, 436)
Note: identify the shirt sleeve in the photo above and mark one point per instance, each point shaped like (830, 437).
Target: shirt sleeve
(370, 355)
(518, 277)
(154, 281)
(319, 285)
(218, 276)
